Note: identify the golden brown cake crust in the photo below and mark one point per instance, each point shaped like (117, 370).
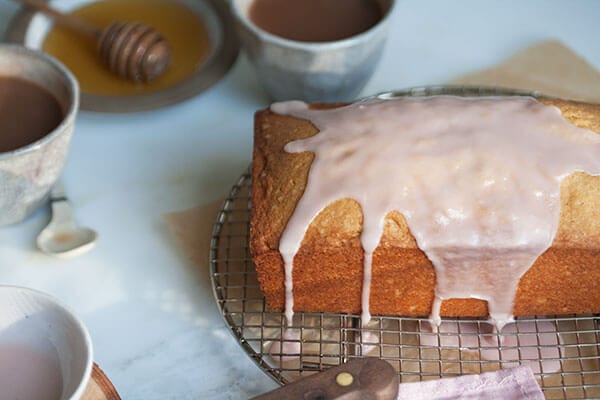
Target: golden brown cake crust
(328, 272)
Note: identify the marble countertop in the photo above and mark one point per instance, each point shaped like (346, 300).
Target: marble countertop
(156, 330)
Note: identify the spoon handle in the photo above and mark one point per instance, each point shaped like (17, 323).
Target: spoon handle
(69, 21)
(58, 192)
(62, 213)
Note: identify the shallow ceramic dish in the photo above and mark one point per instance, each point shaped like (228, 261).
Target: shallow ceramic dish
(47, 345)
(30, 29)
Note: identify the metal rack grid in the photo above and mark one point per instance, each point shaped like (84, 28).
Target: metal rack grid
(563, 351)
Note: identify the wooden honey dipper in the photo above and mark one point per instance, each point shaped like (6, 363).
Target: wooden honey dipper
(131, 50)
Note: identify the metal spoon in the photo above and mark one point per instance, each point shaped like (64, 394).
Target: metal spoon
(62, 237)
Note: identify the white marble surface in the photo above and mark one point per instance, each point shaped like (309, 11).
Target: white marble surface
(152, 317)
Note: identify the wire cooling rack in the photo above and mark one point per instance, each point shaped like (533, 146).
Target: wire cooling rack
(562, 351)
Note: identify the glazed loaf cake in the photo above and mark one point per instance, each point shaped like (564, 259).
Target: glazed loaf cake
(328, 267)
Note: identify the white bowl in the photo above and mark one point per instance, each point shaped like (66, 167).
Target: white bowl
(45, 350)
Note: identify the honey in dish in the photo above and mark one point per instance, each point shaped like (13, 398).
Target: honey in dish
(183, 29)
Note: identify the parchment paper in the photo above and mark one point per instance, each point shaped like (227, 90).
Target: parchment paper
(192, 230)
(549, 67)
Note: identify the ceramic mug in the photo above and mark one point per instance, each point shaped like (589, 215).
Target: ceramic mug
(45, 350)
(312, 71)
(28, 173)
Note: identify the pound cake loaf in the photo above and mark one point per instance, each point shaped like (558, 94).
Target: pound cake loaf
(351, 242)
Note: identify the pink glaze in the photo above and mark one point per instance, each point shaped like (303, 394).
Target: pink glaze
(477, 180)
(537, 345)
(289, 347)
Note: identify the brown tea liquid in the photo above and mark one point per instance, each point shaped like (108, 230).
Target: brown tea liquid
(183, 29)
(28, 112)
(315, 20)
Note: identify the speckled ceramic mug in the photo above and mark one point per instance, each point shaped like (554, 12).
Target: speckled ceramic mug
(312, 71)
(28, 173)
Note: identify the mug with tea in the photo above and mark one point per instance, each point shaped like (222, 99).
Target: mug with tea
(39, 99)
(313, 50)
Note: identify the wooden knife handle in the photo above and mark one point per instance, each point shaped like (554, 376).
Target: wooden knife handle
(365, 378)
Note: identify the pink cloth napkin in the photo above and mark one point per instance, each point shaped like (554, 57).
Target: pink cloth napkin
(506, 384)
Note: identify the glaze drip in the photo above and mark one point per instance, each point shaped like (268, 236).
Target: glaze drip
(477, 179)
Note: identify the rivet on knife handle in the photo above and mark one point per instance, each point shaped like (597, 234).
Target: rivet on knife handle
(366, 378)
